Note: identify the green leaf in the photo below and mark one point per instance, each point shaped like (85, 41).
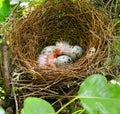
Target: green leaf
(99, 96)
(117, 59)
(4, 9)
(34, 105)
(118, 43)
(2, 110)
(25, 0)
(0, 3)
(1, 41)
(116, 20)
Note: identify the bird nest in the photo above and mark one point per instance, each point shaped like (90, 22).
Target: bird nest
(77, 23)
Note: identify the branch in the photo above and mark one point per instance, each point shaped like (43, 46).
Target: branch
(6, 70)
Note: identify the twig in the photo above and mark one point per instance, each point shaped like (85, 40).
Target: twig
(15, 98)
(11, 14)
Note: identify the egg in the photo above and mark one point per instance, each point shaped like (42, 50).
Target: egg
(48, 50)
(75, 52)
(63, 60)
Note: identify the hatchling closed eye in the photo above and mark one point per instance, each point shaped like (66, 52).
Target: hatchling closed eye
(63, 60)
(48, 50)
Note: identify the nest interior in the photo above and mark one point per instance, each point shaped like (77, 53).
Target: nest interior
(78, 23)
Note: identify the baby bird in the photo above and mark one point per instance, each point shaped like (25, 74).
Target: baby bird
(42, 60)
(59, 55)
(62, 48)
(48, 59)
(75, 52)
(63, 60)
(48, 50)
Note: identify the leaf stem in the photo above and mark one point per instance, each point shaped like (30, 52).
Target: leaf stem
(79, 111)
(66, 105)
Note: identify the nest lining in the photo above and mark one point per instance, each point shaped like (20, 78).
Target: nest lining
(77, 23)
